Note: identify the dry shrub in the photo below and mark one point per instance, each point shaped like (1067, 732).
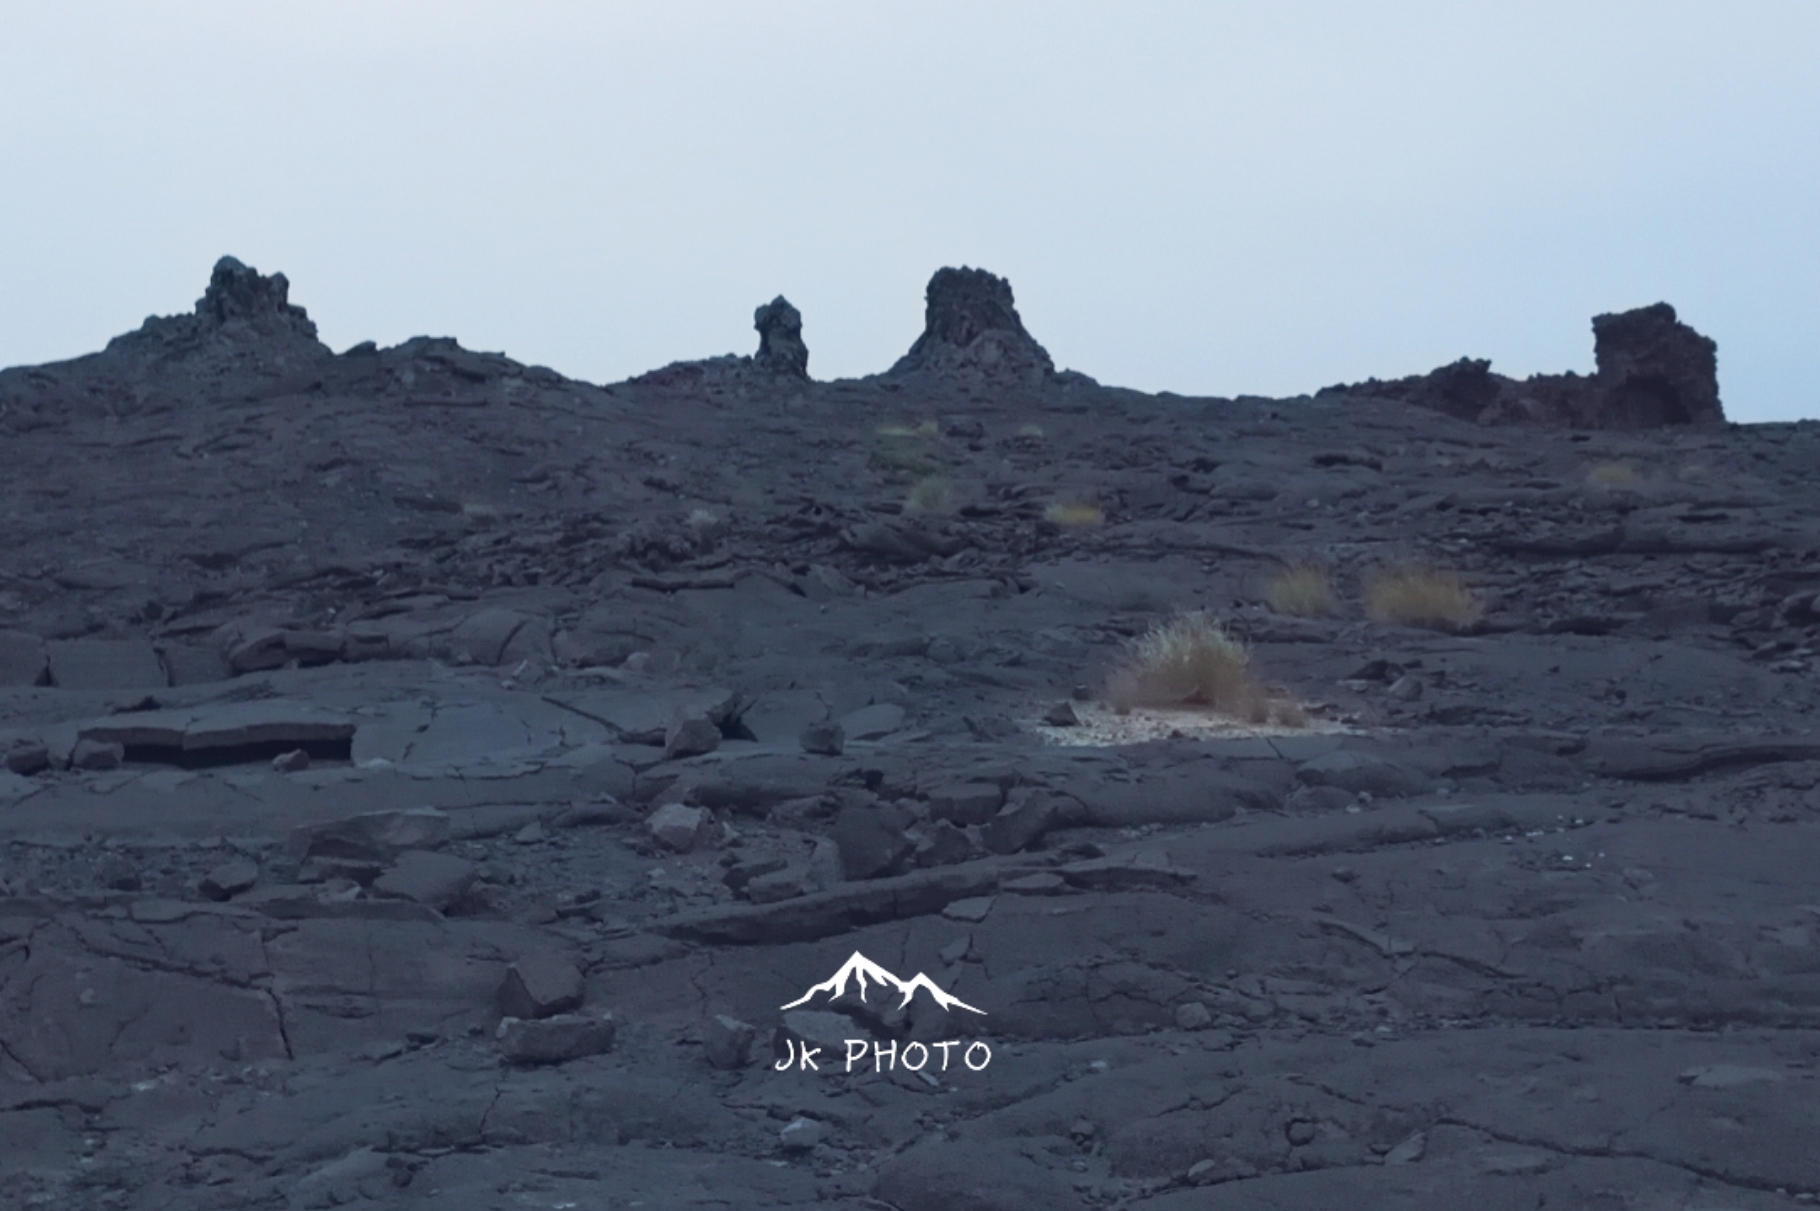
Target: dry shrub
(930, 494)
(1074, 513)
(1422, 597)
(1613, 475)
(1189, 660)
(904, 450)
(1192, 661)
(1302, 589)
(923, 429)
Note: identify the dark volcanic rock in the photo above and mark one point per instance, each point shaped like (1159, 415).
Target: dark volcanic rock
(554, 1040)
(1653, 372)
(971, 329)
(540, 986)
(241, 309)
(782, 357)
(780, 339)
(1525, 914)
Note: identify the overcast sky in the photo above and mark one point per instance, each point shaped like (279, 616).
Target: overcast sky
(1210, 198)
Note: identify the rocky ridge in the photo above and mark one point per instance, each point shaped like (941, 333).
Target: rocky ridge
(427, 777)
(1653, 372)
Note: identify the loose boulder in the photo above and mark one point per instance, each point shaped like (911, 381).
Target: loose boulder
(540, 986)
(554, 1040)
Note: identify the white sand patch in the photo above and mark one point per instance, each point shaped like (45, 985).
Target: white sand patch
(1101, 726)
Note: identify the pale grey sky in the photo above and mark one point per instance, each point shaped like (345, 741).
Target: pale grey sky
(1209, 198)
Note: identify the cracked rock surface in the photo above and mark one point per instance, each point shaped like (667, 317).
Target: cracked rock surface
(1524, 915)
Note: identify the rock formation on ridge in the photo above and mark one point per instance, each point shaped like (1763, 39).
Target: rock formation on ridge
(1653, 372)
(780, 339)
(971, 329)
(418, 762)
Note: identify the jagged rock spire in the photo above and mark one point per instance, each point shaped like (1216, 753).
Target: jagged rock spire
(780, 339)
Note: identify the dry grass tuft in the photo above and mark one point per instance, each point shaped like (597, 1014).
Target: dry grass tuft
(1074, 513)
(930, 494)
(1192, 661)
(1422, 597)
(1302, 589)
(1613, 475)
(923, 430)
(905, 450)
(1189, 660)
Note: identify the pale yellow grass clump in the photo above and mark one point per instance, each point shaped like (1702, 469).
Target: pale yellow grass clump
(1302, 589)
(904, 450)
(1613, 475)
(930, 494)
(1422, 597)
(1190, 661)
(1074, 513)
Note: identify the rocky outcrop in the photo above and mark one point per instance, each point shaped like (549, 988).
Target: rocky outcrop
(241, 307)
(782, 357)
(244, 339)
(1653, 371)
(780, 340)
(971, 329)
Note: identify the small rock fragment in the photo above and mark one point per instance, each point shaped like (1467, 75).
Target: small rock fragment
(1409, 1151)
(117, 872)
(743, 871)
(554, 1040)
(1299, 1131)
(802, 1134)
(943, 844)
(791, 881)
(973, 908)
(1318, 800)
(691, 737)
(431, 879)
(1028, 814)
(1405, 689)
(1061, 715)
(728, 1041)
(540, 986)
(966, 802)
(28, 757)
(230, 879)
(827, 739)
(377, 836)
(871, 840)
(1192, 1015)
(681, 827)
(530, 834)
(1225, 1169)
(97, 755)
(291, 762)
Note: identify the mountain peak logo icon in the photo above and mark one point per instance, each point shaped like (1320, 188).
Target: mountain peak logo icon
(864, 972)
